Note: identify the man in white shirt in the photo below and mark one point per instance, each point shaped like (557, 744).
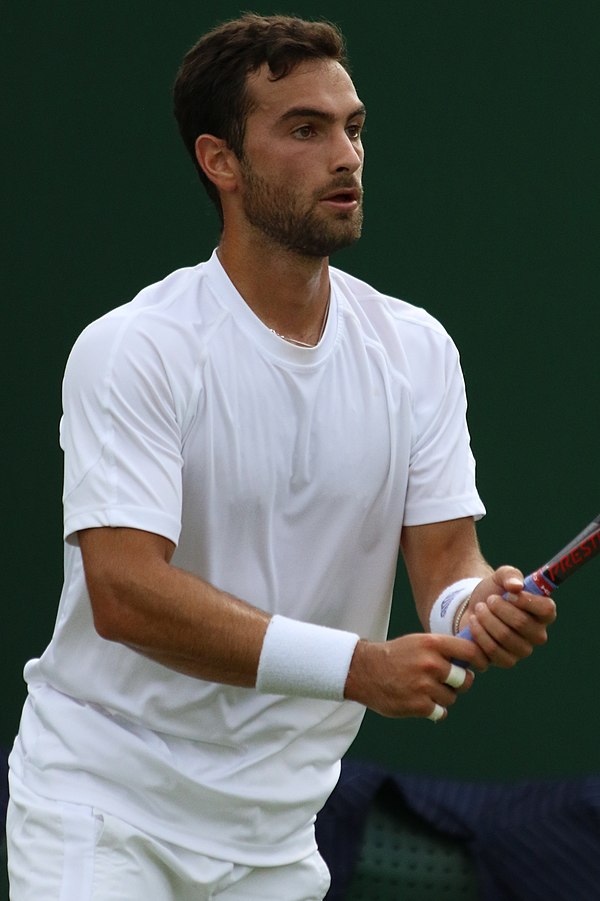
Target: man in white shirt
(247, 445)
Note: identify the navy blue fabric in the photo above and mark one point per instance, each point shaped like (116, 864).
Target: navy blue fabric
(530, 841)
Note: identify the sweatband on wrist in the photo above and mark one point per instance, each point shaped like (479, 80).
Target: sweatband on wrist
(305, 660)
(446, 606)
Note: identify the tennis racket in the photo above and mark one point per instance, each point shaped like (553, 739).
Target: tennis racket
(573, 556)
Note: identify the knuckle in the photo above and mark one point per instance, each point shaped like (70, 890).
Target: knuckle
(506, 661)
(503, 634)
(430, 642)
(506, 570)
(422, 707)
(430, 665)
(521, 618)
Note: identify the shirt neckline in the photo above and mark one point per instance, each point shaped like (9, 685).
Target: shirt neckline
(261, 334)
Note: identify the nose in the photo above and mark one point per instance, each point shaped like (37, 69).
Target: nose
(347, 155)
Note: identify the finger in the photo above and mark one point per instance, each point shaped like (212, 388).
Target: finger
(493, 649)
(456, 676)
(474, 660)
(438, 713)
(518, 617)
(514, 614)
(512, 629)
(509, 578)
(541, 607)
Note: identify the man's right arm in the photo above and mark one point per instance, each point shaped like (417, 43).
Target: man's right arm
(175, 618)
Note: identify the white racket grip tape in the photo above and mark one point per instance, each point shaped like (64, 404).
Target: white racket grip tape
(304, 660)
(442, 614)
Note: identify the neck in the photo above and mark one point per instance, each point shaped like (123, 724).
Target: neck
(288, 292)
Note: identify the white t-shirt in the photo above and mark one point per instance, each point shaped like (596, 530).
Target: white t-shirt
(284, 476)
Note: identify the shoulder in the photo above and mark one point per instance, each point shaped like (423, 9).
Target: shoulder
(376, 304)
(159, 311)
(151, 346)
(406, 330)
(167, 321)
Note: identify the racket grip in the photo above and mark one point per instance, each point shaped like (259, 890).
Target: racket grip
(534, 583)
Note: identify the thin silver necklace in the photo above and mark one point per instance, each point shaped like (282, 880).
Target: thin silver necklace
(305, 343)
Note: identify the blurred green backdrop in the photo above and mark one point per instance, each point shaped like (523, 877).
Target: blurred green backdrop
(482, 206)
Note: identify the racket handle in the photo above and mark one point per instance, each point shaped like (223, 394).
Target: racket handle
(464, 633)
(533, 583)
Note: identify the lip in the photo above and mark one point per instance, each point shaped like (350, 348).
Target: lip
(342, 198)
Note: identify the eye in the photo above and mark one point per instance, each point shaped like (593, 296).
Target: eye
(354, 131)
(304, 132)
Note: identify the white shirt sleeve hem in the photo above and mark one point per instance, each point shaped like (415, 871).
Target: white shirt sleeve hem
(155, 521)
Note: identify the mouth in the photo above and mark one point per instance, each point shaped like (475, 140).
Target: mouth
(343, 199)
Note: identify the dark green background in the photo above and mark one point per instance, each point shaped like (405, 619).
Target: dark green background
(482, 206)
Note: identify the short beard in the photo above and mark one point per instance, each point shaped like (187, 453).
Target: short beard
(276, 213)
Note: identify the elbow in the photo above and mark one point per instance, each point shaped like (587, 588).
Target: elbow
(122, 567)
(106, 619)
(109, 613)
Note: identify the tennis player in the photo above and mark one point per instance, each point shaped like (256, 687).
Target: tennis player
(248, 443)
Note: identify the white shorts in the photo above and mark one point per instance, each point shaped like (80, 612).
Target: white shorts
(61, 851)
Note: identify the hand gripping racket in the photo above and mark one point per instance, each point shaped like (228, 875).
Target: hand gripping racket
(552, 574)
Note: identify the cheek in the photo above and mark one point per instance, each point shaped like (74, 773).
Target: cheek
(291, 172)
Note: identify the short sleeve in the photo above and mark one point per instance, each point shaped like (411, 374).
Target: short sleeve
(441, 483)
(120, 432)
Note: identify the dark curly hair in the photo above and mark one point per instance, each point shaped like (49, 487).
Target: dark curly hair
(210, 93)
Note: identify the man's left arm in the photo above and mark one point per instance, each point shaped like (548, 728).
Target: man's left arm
(440, 554)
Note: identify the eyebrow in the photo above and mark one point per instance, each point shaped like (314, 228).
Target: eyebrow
(309, 112)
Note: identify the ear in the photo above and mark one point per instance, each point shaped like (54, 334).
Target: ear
(217, 161)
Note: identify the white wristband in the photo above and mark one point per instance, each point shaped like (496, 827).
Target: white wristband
(305, 660)
(444, 609)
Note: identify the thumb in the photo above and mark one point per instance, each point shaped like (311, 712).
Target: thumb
(509, 579)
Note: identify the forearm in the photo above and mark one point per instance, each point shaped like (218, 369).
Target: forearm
(198, 630)
(181, 621)
(437, 555)
(140, 600)
(189, 626)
